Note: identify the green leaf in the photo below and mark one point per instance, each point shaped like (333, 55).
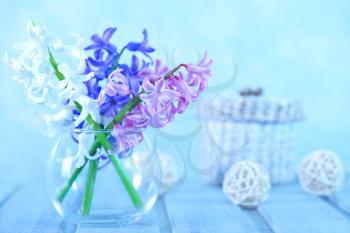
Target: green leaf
(79, 107)
(54, 65)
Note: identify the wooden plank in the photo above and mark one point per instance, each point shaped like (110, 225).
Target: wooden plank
(8, 189)
(123, 229)
(290, 209)
(29, 209)
(50, 221)
(200, 208)
(341, 200)
(162, 216)
(260, 222)
(22, 211)
(9, 183)
(146, 225)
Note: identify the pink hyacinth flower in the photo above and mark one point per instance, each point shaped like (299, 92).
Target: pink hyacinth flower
(117, 84)
(137, 118)
(198, 74)
(158, 99)
(157, 73)
(126, 138)
(187, 93)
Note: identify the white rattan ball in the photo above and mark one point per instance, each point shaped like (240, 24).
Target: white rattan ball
(169, 172)
(247, 183)
(321, 173)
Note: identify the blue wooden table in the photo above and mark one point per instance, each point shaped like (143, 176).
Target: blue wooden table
(193, 207)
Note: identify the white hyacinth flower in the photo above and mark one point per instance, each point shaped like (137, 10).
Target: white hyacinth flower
(85, 140)
(32, 65)
(54, 98)
(57, 120)
(34, 31)
(76, 50)
(73, 83)
(90, 106)
(22, 71)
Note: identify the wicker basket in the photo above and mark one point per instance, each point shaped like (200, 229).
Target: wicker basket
(251, 127)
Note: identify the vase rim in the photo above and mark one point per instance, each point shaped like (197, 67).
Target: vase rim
(89, 130)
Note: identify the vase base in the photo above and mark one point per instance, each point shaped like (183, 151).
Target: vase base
(105, 220)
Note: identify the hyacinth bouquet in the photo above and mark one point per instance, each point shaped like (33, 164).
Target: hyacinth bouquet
(96, 89)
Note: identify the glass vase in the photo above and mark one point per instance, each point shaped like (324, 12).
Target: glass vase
(118, 187)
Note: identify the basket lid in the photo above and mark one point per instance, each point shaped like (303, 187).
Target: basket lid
(251, 108)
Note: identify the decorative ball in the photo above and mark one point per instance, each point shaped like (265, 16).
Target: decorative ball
(169, 169)
(321, 173)
(247, 183)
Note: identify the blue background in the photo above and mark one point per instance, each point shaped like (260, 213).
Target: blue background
(296, 49)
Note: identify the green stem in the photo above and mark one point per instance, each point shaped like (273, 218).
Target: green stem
(173, 70)
(102, 138)
(135, 101)
(116, 62)
(125, 110)
(54, 65)
(62, 194)
(89, 186)
(135, 198)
